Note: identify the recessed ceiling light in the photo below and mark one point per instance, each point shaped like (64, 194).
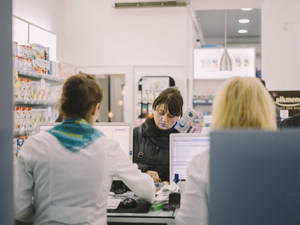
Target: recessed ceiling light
(247, 9)
(244, 20)
(242, 31)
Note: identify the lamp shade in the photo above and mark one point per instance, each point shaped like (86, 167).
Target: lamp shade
(226, 62)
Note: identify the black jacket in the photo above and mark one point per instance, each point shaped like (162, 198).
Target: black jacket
(292, 122)
(151, 148)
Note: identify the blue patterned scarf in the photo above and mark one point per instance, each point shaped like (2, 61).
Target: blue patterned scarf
(75, 134)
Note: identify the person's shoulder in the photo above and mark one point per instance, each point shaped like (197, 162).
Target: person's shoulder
(199, 166)
(37, 144)
(105, 141)
(138, 130)
(109, 145)
(110, 148)
(204, 155)
(41, 137)
(293, 121)
(200, 159)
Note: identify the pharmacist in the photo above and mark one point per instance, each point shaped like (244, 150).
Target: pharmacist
(63, 176)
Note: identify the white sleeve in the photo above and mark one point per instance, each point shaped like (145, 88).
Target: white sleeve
(140, 183)
(194, 200)
(23, 186)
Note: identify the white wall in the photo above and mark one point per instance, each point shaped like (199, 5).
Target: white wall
(136, 42)
(97, 34)
(47, 14)
(280, 44)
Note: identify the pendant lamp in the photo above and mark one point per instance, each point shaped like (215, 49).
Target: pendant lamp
(225, 63)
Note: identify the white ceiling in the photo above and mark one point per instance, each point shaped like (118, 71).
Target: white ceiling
(224, 4)
(212, 24)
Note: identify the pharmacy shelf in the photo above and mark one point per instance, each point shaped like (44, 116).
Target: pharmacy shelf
(35, 103)
(202, 102)
(38, 76)
(23, 133)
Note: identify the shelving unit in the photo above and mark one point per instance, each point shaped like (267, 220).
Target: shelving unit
(37, 76)
(36, 90)
(23, 133)
(202, 102)
(35, 103)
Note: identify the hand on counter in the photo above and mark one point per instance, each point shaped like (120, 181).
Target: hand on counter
(154, 175)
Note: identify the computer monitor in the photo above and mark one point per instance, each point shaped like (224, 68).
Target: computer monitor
(120, 132)
(254, 178)
(183, 148)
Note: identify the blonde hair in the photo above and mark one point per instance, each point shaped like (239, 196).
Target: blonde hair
(243, 102)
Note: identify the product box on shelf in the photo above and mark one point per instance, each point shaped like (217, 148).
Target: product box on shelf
(32, 59)
(37, 88)
(40, 52)
(204, 98)
(33, 51)
(36, 92)
(28, 118)
(19, 142)
(15, 49)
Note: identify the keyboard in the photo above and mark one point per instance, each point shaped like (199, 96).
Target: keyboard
(113, 203)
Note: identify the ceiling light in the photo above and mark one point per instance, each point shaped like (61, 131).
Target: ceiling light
(247, 9)
(244, 20)
(243, 31)
(226, 62)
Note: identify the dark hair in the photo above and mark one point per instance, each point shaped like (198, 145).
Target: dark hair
(80, 92)
(172, 99)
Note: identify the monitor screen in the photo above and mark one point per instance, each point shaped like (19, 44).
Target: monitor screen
(119, 132)
(183, 147)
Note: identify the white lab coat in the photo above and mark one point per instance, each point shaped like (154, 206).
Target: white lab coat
(68, 187)
(194, 200)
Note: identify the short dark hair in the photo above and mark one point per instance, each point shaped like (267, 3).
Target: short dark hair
(80, 92)
(172, 99)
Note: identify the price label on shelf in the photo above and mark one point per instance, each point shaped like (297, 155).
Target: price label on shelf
(16, 76)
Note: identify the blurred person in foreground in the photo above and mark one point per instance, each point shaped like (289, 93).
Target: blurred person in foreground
(241, 103)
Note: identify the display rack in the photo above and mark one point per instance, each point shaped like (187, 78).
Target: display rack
(36, 90)
(149, 88)
(202, 102)
(37, 76)
(35, 103)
